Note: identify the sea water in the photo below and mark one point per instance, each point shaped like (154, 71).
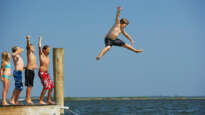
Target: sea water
(136, 107)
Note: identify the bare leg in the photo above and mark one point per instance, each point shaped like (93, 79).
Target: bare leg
(18, 92)
(28, 95)
(12, 101)
(5, 91)
(133, 49)
(49, 97)
(42, 96)
(103, 51)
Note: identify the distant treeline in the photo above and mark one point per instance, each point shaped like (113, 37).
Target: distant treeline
(132, 98)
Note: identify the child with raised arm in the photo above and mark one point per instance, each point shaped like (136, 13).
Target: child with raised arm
(5, 75)
(17, 73)
(29, 69)
(111, 39)
(43, 73)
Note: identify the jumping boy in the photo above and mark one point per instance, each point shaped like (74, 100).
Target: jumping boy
(111, 38)
(29, 69)
(43, 73)
(19, 66)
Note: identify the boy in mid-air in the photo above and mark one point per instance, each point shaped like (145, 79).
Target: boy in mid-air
(43, 72)
(19, 67)
(111, 38)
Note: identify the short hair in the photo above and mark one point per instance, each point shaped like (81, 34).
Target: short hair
(124, 21)
(14, 49)
(46, 47)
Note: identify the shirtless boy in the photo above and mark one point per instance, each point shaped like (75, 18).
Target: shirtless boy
(111, 38)
(19, 66)
(43, 73)
(29, 69)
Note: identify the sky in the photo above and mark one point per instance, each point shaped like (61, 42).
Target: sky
(171, 32)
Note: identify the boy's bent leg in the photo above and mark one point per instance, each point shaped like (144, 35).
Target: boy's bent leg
(47, 85)
(42, 96)
(132, 49)
(12, 101)
(51, 86)
(28, 95)
(18, 92)
(49, 97)
(103, 51)
(29, 77)
(18, 87)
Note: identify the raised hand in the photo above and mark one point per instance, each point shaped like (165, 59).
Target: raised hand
(28, 37)
(119, 8)
(39, 42)
(40, 38)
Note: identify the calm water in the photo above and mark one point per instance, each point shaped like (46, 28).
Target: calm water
(140, 107)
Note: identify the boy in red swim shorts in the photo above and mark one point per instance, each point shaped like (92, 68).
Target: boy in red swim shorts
(43, 73)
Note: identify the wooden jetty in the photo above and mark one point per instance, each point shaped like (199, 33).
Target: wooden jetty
(30, 110)
(58, 71)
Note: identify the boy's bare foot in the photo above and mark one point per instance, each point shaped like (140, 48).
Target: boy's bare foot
(139, 51)
(51, 102)
(29, 102)
(12, 102)
(18, 103)
(97, 58)
(42, 102)
(5, 103)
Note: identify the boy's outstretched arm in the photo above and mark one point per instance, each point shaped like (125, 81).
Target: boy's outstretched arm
(28, 41)
(128, 37)
(117, 20)
(39, 45)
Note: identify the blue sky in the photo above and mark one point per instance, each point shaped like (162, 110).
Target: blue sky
(171, 32)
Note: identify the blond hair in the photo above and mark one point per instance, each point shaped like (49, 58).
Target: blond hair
(5, 57)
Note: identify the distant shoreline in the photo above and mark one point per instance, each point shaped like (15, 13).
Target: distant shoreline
(130, 98)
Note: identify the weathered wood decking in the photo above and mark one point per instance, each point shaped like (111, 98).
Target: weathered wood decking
(30, 110)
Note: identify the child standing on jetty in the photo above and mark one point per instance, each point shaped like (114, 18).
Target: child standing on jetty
(111, 38)
(29, 69)
(43, 73)
(19, 66)
(5, 75)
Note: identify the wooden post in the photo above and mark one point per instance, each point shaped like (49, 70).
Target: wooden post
(58, 71)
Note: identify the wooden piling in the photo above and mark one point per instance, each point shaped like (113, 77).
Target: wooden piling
(58, 71)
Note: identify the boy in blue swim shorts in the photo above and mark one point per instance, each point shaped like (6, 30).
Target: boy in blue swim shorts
(19, 66)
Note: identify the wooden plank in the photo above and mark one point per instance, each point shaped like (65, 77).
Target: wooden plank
(30, 110)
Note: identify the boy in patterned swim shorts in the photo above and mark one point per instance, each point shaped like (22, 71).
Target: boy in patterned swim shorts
(19, 66)
(43, 73)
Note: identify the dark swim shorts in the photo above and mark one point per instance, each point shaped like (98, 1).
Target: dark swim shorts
(29, 76)
(18, 80)
(116, 42)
